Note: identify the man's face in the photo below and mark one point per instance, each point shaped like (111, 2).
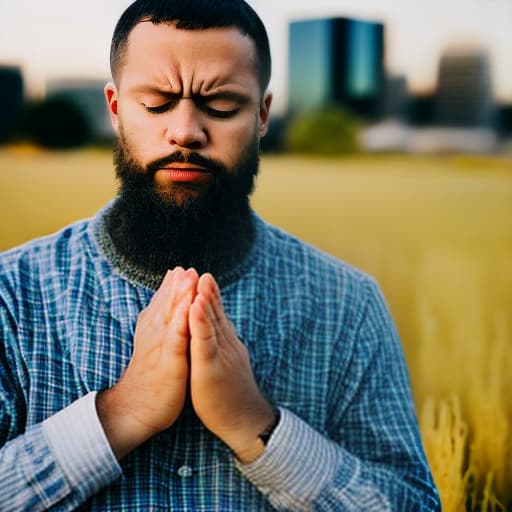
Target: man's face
(185, 98)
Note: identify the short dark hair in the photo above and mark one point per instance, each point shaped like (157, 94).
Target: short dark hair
(195, 15)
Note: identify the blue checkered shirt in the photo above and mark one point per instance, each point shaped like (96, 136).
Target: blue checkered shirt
(323, 348)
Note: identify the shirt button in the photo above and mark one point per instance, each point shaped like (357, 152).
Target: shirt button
(185, 472)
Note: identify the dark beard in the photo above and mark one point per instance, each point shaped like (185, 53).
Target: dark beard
(211, 232)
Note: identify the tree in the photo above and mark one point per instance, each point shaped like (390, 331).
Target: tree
(55, 123)
(328, 131)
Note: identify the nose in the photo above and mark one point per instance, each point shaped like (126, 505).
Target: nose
(185, 126)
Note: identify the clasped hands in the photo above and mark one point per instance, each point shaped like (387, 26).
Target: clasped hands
(184, 341)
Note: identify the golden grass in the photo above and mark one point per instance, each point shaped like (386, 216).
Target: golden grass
(445, 436)
(435, 232)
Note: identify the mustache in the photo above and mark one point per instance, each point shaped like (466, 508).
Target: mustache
(213, 166)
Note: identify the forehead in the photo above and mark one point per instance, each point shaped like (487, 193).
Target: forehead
(162, 54)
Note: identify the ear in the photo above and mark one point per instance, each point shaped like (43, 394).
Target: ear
(111, 96)
(265, 114)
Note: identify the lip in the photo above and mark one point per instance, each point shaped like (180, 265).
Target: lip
(177, 173)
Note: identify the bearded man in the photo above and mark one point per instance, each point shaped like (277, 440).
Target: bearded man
(176, 352)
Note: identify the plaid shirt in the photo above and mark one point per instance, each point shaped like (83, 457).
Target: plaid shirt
(323, 349)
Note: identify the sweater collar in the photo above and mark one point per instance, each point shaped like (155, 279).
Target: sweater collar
(140, 276)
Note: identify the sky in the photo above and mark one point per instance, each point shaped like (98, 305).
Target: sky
(70, 39)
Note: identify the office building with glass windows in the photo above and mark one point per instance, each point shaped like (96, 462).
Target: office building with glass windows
(336, 61)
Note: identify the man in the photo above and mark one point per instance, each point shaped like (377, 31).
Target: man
(128, 383)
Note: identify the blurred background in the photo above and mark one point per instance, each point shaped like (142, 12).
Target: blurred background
(390, 147)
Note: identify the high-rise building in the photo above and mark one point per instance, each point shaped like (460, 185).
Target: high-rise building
(11, 99)
(464, 91)
(336, 60)
(504, 120)
(395, 97)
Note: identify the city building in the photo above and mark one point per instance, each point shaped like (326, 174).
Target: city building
(11, 100)
(337, 61)
(395, 97)
(464, 90)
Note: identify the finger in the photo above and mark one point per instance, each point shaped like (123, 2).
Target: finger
(163, 295)
(185, 292)
(225, 330)
(177, 333)
(181, 286)
(208, 287)
(203, 339)
(185, 283)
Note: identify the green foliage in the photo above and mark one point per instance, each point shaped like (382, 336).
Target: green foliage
(329, 131)
(55, 123)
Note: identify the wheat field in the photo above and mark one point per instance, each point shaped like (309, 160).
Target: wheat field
(436, 232)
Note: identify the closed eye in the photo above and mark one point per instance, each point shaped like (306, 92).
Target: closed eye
(222, 114)
(159, 109)
(213, 107)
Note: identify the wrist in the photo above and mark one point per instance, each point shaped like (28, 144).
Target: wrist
(266, 434)
(123, 431)
(251, 451)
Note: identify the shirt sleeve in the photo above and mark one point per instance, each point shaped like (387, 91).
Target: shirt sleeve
(80, 447)
(372, 458)
(62, 461)
(56, 464)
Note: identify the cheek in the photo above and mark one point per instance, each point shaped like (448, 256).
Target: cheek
(143, 137)
(233, 140)
(136, 120)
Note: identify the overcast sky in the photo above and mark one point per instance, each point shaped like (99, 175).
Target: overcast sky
(67, 38)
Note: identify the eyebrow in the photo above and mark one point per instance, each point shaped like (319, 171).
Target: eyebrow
(151, 89)
(223, 95)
